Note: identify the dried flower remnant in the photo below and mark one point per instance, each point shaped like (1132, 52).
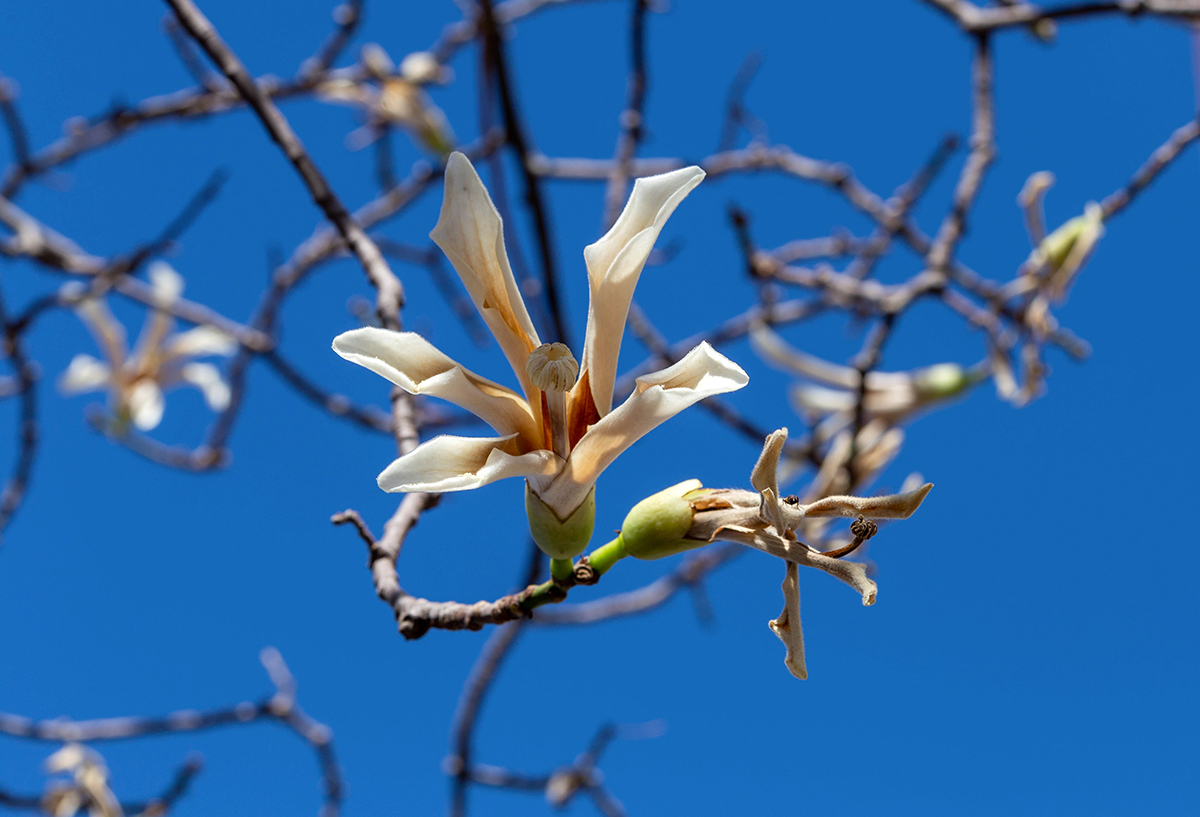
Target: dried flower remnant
(561, 432)
(161, 359)
(763, 520)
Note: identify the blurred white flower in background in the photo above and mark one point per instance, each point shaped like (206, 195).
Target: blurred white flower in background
(162, 359)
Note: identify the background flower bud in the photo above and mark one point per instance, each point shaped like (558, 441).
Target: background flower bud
(656, 527)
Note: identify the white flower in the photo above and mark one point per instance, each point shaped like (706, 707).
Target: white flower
(395, 99)
(135, 382)
(559, 440)
(88, 787)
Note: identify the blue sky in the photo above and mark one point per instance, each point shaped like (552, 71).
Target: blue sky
(1032, 650)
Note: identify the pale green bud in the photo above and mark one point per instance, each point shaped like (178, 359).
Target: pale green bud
(944, 380)
(657, 526)
(560, 538)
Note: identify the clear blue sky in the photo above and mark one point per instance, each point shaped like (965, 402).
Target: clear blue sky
(1033, 647)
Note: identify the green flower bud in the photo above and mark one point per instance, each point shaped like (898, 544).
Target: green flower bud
(560, 538)
(657, 526)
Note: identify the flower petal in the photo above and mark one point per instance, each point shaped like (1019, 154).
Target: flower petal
(416, 365)
(852, 573)
(105, 328)
(763, 478)
(84, 373)
(166, 283)
(462, 463)
(201, 341)
(145, 403)
(614, 264)
(471, 234)
(893, 506)
(207, 378)
(787, 626)
(657, 397)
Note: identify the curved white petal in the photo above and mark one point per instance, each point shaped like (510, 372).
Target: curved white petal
(105, 328)
(614, 264)
(201, 341)
(820, 400)
(462, 463)
(166, 283)
(145, 403)
(657, 397)
(207, 378)
(471, 234)
(84, 373)
(775, 350)
(416, 365)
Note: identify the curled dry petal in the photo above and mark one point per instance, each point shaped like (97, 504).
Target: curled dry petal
(471, 234)
(461, 463)
(852, 573)
(416, 365)
(787, 626)
(614, 264)
(657, 397)
(894, 506)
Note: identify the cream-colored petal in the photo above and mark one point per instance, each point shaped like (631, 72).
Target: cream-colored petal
(614, 264)
(208, 379)
(344, 90)
(820, 400)
(775, 350)
(201, 341)
(461, 463)
(105, 328)
(471, 234)
(145, 403)
(166, 283)
(416, 365)
(787, 626)
(894, 506)
(657, 397)
(84, 373)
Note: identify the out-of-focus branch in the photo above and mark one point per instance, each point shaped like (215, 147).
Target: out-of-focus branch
(346, 17)
(980, 19)
(281, 707)
(1159, 160)
(689, 576)
(983, 153)
(389, 293)
(155, 807)
(25, 377)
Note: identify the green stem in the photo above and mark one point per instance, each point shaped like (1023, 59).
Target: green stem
(605, 556)
(555, 590)
(561, 569)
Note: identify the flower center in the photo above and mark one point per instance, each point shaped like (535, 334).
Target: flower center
(552, 368)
